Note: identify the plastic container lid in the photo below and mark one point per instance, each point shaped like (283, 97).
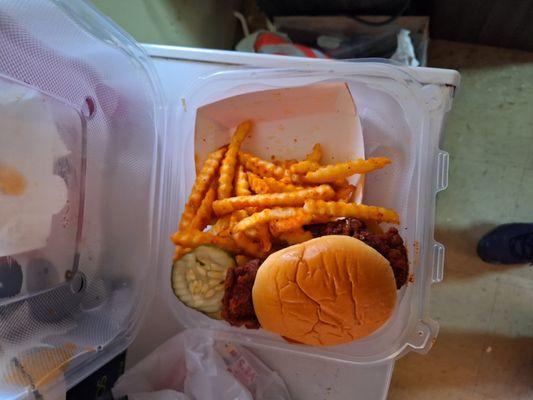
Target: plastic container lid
(81, 115)
(398, 116)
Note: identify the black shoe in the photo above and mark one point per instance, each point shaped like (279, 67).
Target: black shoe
(507, 244)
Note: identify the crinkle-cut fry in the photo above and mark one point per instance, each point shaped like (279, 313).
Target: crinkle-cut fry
(180, 252)
(237, 216)
(303, 167)
(296, 236)
(242, 187)
(247, 245)
(278, 226)
(331, 173)
(294, 178)
(259, 166)
(342, 209)
(286, 178)
(227, 168)
(200, 187)
(284, 163)
(257, 184)
(311, 162)
(252, 233)
(345, 193)
(261, 235)
(340, 182)
(222, 226)
(316, 154)
(286, 199)
(205, 211)
(287, 163)
(265, 216)
(291, 178)
(277, 186)
(264, 238)
(194, 239)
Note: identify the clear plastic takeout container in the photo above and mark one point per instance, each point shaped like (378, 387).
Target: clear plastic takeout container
(128, 164)
(396, 117)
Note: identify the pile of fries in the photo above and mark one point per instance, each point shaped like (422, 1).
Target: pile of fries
(252, 207)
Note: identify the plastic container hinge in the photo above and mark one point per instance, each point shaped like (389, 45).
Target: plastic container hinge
(443, 164)
(438, 262)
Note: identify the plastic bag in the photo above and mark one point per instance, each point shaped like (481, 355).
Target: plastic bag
(193, 366)
(405, 52)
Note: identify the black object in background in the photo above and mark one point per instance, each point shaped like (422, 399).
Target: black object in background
(349, 8)
(340, 37)
(501, 23)
(10, 277)
(98, 385)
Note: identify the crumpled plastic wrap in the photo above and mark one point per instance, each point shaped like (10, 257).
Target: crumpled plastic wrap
(194, 366)
(405, 52)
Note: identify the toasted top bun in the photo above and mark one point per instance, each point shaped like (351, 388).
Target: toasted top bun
(325, 291)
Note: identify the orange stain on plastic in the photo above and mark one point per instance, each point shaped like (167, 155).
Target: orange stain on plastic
(12, 182)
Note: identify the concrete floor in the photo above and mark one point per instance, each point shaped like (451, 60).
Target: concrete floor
(485, 346)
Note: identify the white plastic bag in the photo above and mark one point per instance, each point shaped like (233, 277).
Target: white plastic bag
(193, 366)
(405, 52)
